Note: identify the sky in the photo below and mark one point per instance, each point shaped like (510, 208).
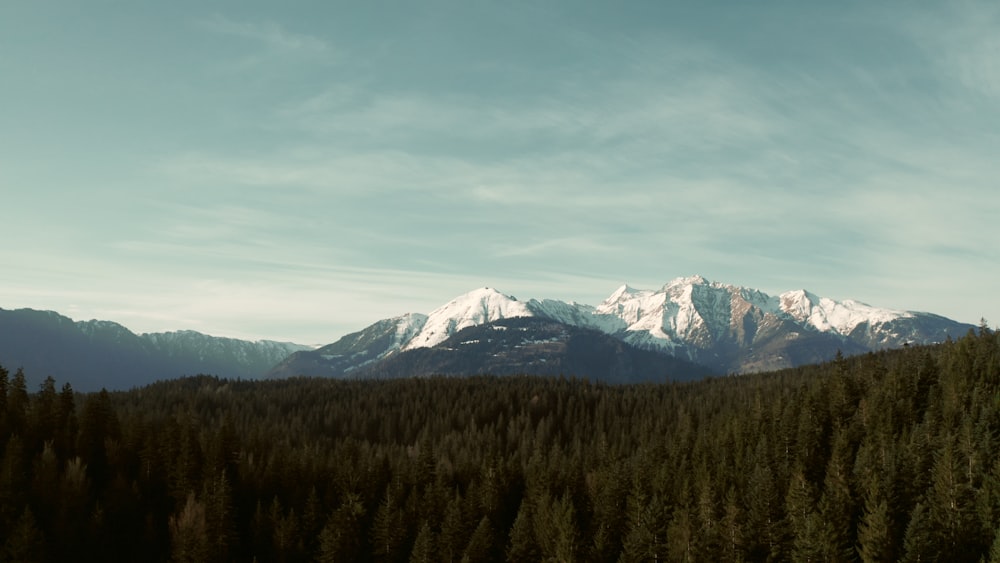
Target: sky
(299, 170)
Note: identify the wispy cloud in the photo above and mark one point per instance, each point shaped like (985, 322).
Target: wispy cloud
(270, 34)
(687, 159)
(827, 147)
(560, 245)
(961, 40)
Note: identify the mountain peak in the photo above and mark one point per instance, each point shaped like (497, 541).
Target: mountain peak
(798, 303)
(696, 279)
(727, 327)
(825, 314)
(622, 292)
(479, 306)
(487, 292)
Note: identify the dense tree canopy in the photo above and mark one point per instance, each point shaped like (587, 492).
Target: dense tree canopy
(886, 456)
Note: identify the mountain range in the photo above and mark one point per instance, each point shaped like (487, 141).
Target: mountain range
(710, 326)
(95, 354)
(689, 328)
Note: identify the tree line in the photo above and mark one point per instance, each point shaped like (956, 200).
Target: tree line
(881, 457)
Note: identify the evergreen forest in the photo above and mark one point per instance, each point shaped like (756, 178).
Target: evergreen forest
(888, 456)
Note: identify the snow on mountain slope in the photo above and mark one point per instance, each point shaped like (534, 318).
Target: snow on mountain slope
(577, 314)
(842, 317)
(378, 340)
(644, 313)
(367, 346)
(697, 311)
(408, 327)
(474, 308)
(727, 327)
(686, 311)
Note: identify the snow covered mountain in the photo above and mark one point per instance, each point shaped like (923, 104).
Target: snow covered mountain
(535, 346)
(355, 350)
(728, 328)
(738, 329)
(475, 308)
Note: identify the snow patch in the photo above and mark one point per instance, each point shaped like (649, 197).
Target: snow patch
(475, 308)
(842, 317)
(683, 315)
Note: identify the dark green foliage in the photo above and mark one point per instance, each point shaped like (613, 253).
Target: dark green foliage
(521, 544)
(480, 547)
(882, 457)
(17, 403)
(25, 544)
(189, 533)
(555, 525)
(424, 550)
(875, 530)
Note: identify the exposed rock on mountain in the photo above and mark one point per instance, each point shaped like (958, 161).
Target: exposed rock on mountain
(727, 328)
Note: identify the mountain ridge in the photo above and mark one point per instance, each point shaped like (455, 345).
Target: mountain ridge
(727, 328)
(97, 353)
(535, 346)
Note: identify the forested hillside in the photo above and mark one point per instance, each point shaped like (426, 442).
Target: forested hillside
(879, 457)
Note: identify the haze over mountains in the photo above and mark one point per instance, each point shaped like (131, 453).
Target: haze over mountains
(95, 354)
(689, 328)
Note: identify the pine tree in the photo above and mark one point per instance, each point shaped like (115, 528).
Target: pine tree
(312, 521)
(646, 535)
(260, 533)
(26, 544)
(423, 550)
(17, 403)
(680, 536)
(918, 544)
(480, 547)
(98, 425)
(74, 490)
(340, 539)
(285, 539)
(44, 413)
(555, 528)
(764, 515)
(4, 386)
(185, 465)
(836, 506)
(45, 484)
(220, 518)
(454, 530)
(13, 482)
(988, 500)
(951, 509)
(66, 425)
(188, 533)
(610, 490)
(804, 523)
(994, 555)
(708, 538)
(389, 526)
(522, 545)
(875, 541)
(425, 466)
(732, 529)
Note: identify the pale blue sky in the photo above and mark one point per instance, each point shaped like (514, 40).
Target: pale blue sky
(298, 170)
